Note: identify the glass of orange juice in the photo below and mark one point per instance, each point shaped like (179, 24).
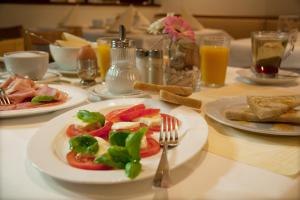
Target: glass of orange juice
(214, 55)
(103, 55)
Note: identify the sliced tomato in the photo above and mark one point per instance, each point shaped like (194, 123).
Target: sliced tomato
(114, 116)
(85, 162)
(157, 128)
(103, 132)
(153, 148)
(72, 130)
(138, 113)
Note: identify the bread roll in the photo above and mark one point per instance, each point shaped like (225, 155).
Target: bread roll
(179, 90)
(176, 99)
(269, 107)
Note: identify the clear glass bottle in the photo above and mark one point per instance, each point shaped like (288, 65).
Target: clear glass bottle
(123, 72)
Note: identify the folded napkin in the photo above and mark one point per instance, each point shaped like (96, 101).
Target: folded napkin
(125, 18)
(132, 19)
(140, 21)
(192, 21)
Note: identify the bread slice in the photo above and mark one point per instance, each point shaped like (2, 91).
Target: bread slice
(179, 90)
(244, 113)
(270, 107)
(176, 99)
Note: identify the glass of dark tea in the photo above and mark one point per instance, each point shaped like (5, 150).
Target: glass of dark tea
(268, 50)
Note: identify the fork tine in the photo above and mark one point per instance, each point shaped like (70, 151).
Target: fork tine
(162, 126)
(176, 129)
(4, 100)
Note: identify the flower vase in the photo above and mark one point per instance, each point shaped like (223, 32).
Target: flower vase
(182, 63)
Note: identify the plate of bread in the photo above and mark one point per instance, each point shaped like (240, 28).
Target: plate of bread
(275, 115)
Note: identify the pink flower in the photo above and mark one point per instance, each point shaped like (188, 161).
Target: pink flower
(177, 28)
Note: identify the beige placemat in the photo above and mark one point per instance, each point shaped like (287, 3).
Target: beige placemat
(275, 153)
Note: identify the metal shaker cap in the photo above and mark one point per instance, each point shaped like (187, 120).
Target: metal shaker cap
(122, 42)
(155, 53)
(141, 52)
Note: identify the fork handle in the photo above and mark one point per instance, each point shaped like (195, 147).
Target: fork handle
(162, 175)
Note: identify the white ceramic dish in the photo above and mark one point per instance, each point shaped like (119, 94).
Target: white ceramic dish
(216, 110)
(52, 143)
(102, 92)
(76, 96)
(283, 77)
(54, 66)
(65, 57)
(33, 64)
(50, 76)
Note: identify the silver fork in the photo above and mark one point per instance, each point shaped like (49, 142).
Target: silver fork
(4, 100)
(168, 137)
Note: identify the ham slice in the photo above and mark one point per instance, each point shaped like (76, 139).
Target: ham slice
(20, 96)
(20, 91)
(48, 91)
(19, 84)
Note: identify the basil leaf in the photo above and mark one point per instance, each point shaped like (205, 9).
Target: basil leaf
(84, 144)
(40, 99)
(133, 168)
(106, 159)
(133, 143)
(119, 154)
(118, 137)
(91, 117)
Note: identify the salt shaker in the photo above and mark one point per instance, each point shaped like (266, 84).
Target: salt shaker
(142, 64)
(123, 72)
(155, 67)
(87, 65)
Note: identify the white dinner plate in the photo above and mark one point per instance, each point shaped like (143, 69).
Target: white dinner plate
(283, 77)
(216, 110)
(101, 91)
(54, 66)
(75, 97)
(47, 149)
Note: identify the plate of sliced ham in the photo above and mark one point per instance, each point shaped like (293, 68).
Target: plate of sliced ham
(30, 98)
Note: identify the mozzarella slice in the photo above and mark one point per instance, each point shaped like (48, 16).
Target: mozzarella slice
(125, 125)
(150, 121)
(103, 146)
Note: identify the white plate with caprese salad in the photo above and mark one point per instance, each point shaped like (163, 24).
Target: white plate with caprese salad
(116, 146)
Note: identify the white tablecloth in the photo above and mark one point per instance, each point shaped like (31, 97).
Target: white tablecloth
(240, 54)
(142, 39)
(206, 176)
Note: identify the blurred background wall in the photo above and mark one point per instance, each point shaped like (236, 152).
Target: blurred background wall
(51, 15)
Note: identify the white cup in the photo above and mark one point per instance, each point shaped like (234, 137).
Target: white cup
(31, 64)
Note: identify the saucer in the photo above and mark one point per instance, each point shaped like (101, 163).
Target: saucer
(62, 71)
(101, 91)
(50, 76)
(283, 77)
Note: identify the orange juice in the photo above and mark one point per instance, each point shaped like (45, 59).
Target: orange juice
(214, 61)
(103, 59)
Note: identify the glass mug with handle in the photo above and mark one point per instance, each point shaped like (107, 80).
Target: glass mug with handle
(268, 51)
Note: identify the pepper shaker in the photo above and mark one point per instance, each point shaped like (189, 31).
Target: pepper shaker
(142, 64)
(156, 67)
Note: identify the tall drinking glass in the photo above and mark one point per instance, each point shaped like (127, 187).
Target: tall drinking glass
(103, 55)
(214, 55)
